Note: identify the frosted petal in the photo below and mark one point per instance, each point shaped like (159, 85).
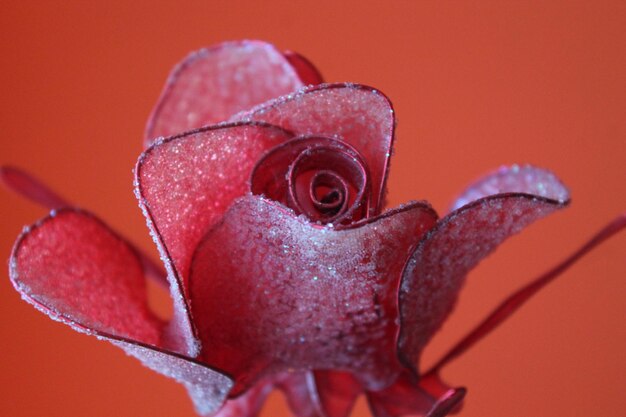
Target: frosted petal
(212, 84)
(525, 179)
(207, 388)
(359, 115)
(184, 184)
(271, 291)
(438, 266)
(75, 269)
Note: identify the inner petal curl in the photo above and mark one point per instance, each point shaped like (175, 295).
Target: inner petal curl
(322, 178)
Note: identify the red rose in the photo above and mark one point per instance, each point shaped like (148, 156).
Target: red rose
(283, 267)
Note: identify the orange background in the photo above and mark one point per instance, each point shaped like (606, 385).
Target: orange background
(475, 85)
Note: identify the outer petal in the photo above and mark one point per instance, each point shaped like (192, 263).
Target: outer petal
(184, 184)
(80, 271)
(299, 388)
(428, 397)
(337, 392)
(361, 116)
(271, 291)
(439, 264)
(249, 404)
(77, 271)
(212, 84)
(519, 179)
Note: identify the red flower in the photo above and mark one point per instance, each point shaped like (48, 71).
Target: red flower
(283, 268)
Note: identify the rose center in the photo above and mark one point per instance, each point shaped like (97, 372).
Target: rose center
(322, 178)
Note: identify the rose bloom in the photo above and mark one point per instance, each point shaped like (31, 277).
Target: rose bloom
(284, 269)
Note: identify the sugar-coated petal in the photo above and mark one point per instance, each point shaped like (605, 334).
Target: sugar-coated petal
(184, 184)
(271, 291)
(33, 189)
(307, 72)
(207, 388)
(78, 271)
(525, 179)
(361, 116)
(437, 268)
(335, 165)
(212, 84)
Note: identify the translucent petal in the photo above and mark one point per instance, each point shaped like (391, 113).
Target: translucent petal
(76, 270)
(437, 268)
(212, 84)
(361, 116)
(184, 184)
(525, 179)
(307, 72)
(272, 291)
(74, 267)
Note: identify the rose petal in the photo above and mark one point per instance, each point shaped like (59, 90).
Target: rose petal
(207, 388)
(271, 291)
(428, 397)
(337, 392)
(184, 184)
(437, 267)
(76, 270)
(525, 179)
(33, 189)
(319, 393)
(79, 271)
(359, 115)
(307, 72)
(248, 404)
(273, 176)
(212, 84)
(299, 389)
(404, 397)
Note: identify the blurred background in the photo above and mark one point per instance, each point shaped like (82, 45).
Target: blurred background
(475, 85)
